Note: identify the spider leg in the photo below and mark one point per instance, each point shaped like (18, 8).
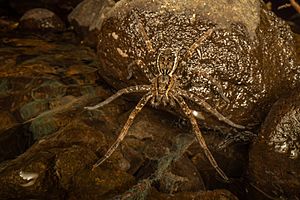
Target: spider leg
(198, 42)
(125, 128)
(219, 88)
(188, 112)
(131, 89)
(209, 108)
(213, 81)
(193, 47)
(190, 52)
(142, 31)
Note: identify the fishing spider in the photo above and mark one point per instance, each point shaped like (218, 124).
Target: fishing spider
(165, 88)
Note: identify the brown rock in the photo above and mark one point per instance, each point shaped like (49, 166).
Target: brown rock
(7, 25)
(62, 7)
(100, 184)
(50, 82)
(87, 19)
(7, 121)
(44, 83)
(207, 195)
(13, 138)
(32, 177)
(202, 195)
(62, 162)
(182, 176)
(274, 166)
(250, 52)
(39, 19)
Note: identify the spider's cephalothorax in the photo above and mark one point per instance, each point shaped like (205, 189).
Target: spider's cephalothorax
(165, 88)
(164, 84)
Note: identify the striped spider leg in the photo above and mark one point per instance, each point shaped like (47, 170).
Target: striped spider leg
(191, 96)
(125, 128)
(150, 51)
(140, 63)
(128, 90)
(189, 54)
(188, 112)
(213, 81)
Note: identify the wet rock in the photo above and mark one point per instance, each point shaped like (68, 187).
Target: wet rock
(100, 184)
(205, 195)
(249, 53)
(165, 145)
(7, 120)
(40, 19)
(182, 176)
(29, 178)
(8, 25)
(87, 19)
(13, 138)
(45, 87)
(35, 79)
(62, 7)
(56, 164)
(232, 159)
(286, 11)
(84, 183)
(158, 151)
(274, 165)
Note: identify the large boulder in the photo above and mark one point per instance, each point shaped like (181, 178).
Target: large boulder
(250, 53)
(275, 155)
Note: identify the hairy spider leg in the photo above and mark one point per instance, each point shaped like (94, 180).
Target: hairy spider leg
(188, 112)
(125, 128)
(194, 46)
(131, 89)
(197, 43)
(209, 108)
(149, 46)
(189, 54)
(142, 31)
(214, 82)
(175, 63)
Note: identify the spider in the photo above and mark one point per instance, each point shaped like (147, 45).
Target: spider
(166, 88)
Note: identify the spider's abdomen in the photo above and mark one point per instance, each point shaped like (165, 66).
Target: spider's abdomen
(250, 51)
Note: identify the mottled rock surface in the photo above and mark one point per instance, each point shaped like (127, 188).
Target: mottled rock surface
(250, 52)
(40, 19)
(87, 19)
(275, 155)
